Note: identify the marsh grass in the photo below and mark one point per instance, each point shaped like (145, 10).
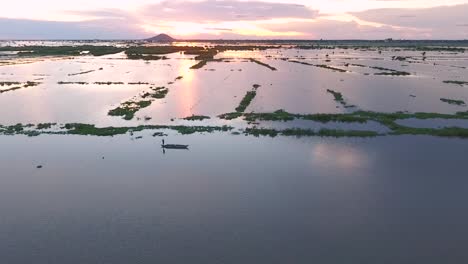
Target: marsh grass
(21, 86)
(249, 96)
(36, 51)
(81, 73)
(452, 101)
(323, 66)
(128, 109)
(461, 83)
(196, 118)
(263, 64)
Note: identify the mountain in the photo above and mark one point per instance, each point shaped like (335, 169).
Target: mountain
(161, 38)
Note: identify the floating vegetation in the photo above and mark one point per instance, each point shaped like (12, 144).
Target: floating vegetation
(339, 98)
(21, 86)
(298, 132)
(145, 57)
(92, 130)
(461, 83)
(386, 71)
(156, 92)
(9, 83)
(452, 102)
(105, 83)
(319, 66)
(35, 51)
(263, 64)
(80, 73)
(196, 118)
(393, 73)
(45, 125)
(108, 83)
(385, 119)
(199, 65)
(80, 83)
(128, 109)
(230, 116)
(139, 83)
(249, 96)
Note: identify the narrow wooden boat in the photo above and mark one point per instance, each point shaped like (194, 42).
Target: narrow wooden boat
(174, 146)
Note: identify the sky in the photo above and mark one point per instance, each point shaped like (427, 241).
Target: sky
(234, 19)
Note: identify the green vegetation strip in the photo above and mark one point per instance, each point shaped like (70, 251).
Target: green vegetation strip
(298, 132)
(386, 119)
(452, 102)
(249, 96)
(34, 51)
(319, 66)
(92, 130)
(339, 98)
(21, 86)
(263, 64)
(461, 83)
(128, 109)
(196, 118)
(386, 71)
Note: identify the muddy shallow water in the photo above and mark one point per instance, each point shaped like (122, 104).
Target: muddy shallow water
(234, 198)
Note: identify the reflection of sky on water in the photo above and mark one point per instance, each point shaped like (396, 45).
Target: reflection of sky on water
(271, 200)
(339, 155)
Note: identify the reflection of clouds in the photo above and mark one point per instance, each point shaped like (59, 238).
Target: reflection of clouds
(339, 155)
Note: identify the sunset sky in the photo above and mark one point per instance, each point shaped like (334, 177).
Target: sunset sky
(235, 19)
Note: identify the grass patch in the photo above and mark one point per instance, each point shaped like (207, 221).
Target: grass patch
(249, 96)
(461, 83)
(196, 118)
(263, 64)
(45, 125)
(156, 93)
(108, 83)
(80, 83)
(452, 102)
(230, 116)
(146, 57)
(199, 65)
(319, 66)
(128, 109)
(21, 86)
(35, 51)
(337, 95)
(81, 73)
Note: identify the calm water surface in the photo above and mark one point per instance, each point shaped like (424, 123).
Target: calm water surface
(233, 199)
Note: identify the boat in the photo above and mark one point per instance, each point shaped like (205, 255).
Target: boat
(173, 146)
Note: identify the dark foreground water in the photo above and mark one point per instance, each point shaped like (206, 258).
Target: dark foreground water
(233, 199)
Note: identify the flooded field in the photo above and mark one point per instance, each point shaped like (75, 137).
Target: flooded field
(273, 152)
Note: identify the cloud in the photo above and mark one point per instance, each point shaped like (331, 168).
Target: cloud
(332, 29)
(235, 19)
(92, 29)
(225, 10)
(439, 21)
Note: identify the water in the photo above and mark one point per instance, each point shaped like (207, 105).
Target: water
(233, 198)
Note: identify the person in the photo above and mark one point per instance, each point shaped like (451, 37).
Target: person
(163, 142)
